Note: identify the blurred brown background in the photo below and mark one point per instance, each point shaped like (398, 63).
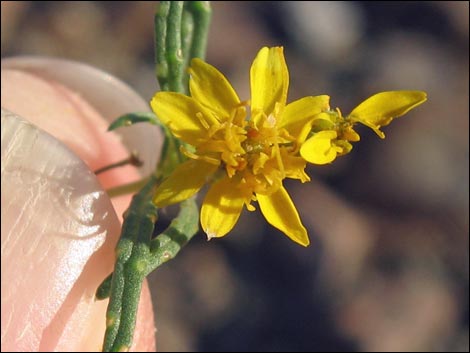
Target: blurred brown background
(388, 268)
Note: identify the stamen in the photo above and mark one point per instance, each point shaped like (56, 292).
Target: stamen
(277, 151)
(243, 103)
(249, 206)
(191, 155)
(339, 113)
(240, 116)
(214, 129)
(228, 134)
(203, 121)
(279, 160)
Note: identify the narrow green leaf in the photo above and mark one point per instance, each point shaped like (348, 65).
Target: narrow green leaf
(134, 118)
(168, 243)
(170, 156)
(104, 290)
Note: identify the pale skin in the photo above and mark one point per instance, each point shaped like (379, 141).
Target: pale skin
(47, 289)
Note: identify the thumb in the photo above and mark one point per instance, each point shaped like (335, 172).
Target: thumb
(59, 230)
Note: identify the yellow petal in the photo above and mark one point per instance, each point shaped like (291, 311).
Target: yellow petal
(183, 183)
(222, 207)
(294, 167)
(380, 109)
(186, 119)
(269, 79)
(209, 87)
(319, 149)
(280, 212)
(297, 116)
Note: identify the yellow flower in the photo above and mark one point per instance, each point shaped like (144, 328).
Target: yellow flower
(332, 133)
(243, 149)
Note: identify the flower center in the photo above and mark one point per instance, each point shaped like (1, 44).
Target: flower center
(253, 151)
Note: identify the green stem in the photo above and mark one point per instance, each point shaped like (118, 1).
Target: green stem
(180, 35)
(137, 256)
(168, 244)
(127, 188)
(187, 30)
(174, 51)
(201, 11)
(181, 31)
(130, 269)
(169, 47)
(161, 65)
(133, 160)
